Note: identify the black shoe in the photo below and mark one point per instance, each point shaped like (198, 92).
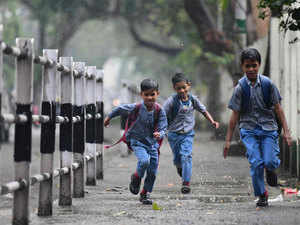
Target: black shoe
(135, 184)
(271, 178)
(179, 171)
(263, 200)
(145, 199)
(185, 189)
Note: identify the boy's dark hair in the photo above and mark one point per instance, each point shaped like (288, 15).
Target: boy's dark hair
(149, 84)
(251, 54)
(178, 77)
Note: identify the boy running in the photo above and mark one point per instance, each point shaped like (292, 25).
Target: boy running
(143, 135)
(255, 103)
(180, 112)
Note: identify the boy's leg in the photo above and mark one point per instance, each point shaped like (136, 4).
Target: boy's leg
(150, 176)
(251, 141)
(175, 146)
(271, 151)
(143, 163)
(151, 170)
(186, 148)
(174, 141)
(140, 151)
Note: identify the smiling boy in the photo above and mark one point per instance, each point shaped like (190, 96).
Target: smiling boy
(255, 103)
(143, 136)
(180, 112)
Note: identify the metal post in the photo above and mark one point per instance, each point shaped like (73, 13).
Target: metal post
(79, 130)
(298, 109)
(66, 131)
(99, 124)
(1, 84)
(48, 132)
(23, 132)
(90, 125)
(286, 95)
(293, 105)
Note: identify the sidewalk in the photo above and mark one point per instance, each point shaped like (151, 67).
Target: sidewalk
(221, 194)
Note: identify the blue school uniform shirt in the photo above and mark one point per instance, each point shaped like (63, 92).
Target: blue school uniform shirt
(184, 121)
(143, 128)
(258, 114)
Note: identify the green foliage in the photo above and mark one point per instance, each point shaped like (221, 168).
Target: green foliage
(287, 10)
(224, 60)
(12, 29)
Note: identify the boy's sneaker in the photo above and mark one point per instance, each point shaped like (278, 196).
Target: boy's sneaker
(145, 199)
(262, 200)
(271, 178)
(185, 189)
(135, 184)
(179, 171)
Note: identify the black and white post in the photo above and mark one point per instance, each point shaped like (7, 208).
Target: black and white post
(23, 132)
(91, 125)
(1, 83)
(47, 146)
(99, 123)
(66, 131)
(79, 130)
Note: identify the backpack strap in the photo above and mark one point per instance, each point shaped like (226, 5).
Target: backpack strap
(132, 116)
(245, 93)
(157, 109)
(176, 105)
(265, 88)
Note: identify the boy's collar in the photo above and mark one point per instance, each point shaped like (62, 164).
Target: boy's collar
(178, 97)
(257, 80)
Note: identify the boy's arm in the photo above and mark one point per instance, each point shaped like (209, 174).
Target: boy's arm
(286, 132)
(210, 119)
(120, 110)
(167, 105)
(232, 123)
(202, 109)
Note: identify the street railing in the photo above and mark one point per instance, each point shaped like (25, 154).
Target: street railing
(80, 89)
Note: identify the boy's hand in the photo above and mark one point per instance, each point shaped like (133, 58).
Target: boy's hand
(288, 138)
(106, 121)
(156, 135)
(215, 124)
(226, 149)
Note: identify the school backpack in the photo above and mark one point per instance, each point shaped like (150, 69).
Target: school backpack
(266, 92)
(175, 107)
(131, 119)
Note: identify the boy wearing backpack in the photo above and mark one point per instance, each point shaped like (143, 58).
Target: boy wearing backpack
(148, 124)
(181, 121)
(255, 103)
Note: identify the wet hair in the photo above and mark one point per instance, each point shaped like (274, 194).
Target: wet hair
(251, 54)
(178, 77)
(149, 84)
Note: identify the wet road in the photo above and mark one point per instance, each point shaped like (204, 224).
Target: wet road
(221, 194)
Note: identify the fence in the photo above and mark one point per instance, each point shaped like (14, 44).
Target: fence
(80, 127)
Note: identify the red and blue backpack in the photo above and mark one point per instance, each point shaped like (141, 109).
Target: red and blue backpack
(131, 119)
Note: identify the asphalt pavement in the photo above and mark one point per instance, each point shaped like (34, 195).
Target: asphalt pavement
(221, 194)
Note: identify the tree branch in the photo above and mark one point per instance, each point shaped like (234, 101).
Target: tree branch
(29, 4)
(214, 40)
(156, 47)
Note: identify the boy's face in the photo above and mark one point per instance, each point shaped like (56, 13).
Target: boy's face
(149, 97)
(182, 88)
(250, 68)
